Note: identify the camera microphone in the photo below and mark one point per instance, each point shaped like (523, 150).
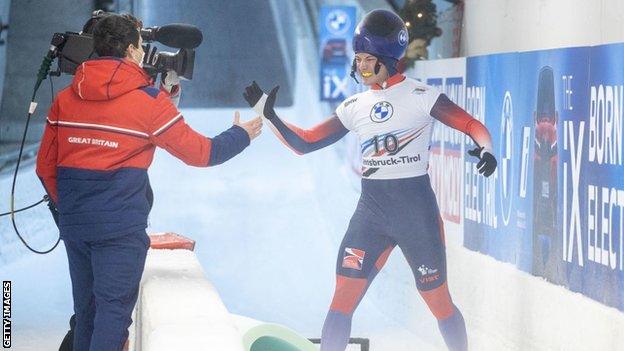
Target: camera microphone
(176, 35)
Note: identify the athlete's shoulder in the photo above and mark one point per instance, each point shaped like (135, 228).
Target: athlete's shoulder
(348, 104)
(417, 87)
(351, 100)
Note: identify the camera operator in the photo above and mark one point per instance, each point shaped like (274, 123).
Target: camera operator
(99, 140)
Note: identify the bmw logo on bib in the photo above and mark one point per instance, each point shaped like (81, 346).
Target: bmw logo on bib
(381, 112)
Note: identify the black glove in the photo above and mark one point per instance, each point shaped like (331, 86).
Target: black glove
(256, 99)
(487, 163)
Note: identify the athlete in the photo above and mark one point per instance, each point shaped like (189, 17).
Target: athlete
(397, 206)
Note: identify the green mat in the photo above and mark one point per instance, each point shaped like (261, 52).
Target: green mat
(259, 336)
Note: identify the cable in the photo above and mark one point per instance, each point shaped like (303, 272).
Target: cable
(51, 88)
(41, 75)
(45, 199)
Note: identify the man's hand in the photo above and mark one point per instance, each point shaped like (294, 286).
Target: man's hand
(169, 80)
(150, 55)
(252, 127)
(260, 102)
(487, 163)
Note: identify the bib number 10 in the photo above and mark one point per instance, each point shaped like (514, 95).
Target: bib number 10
(388, 142)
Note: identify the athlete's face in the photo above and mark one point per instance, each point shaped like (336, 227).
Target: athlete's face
(365, 64)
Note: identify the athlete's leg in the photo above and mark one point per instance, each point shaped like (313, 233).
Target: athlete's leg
(362, 254)
(425, 252)
(450, 320)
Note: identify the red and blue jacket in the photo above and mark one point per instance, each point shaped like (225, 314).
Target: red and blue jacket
(100, 139)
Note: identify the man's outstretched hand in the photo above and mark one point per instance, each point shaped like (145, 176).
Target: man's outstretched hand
(253, 127)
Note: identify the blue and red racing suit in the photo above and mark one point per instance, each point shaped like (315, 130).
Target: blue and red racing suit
(397, 206)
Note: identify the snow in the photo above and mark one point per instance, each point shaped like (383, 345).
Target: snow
(179, 309)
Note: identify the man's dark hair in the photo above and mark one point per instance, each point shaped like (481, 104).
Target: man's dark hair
(113, 33)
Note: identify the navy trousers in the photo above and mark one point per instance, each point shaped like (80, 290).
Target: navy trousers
(105, 277)
(393, 212)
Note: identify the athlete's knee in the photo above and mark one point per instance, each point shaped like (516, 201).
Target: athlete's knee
(439, 301)
(348, 293)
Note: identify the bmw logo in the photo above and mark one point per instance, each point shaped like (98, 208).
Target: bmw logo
(381, 112)
(403, 37)
(337, 22)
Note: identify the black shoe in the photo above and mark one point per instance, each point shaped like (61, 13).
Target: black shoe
(68, 341)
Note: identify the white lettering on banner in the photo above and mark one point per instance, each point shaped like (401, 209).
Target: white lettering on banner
(435, 169)
(446, 162)
(567, 92)
(452, 182)
(524, 165)
(471, 200)
(489, 197)
(93, 141)
(592, 224)
(333, 86)
(455, 93)
(475, 102)
(437, 132)
(575, 213)
(480, 196)
(480, 192)
(605, 124)
(601, 202)
(451, 135)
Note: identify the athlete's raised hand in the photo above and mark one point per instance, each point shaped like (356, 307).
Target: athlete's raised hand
(487, 161)
(259, 101)
(253, 127)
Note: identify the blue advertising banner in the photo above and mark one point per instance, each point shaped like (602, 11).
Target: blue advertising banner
(556, 91)
(446, 160)
(337, 24)
(497, 214)
(591, 173)
(555, 206)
